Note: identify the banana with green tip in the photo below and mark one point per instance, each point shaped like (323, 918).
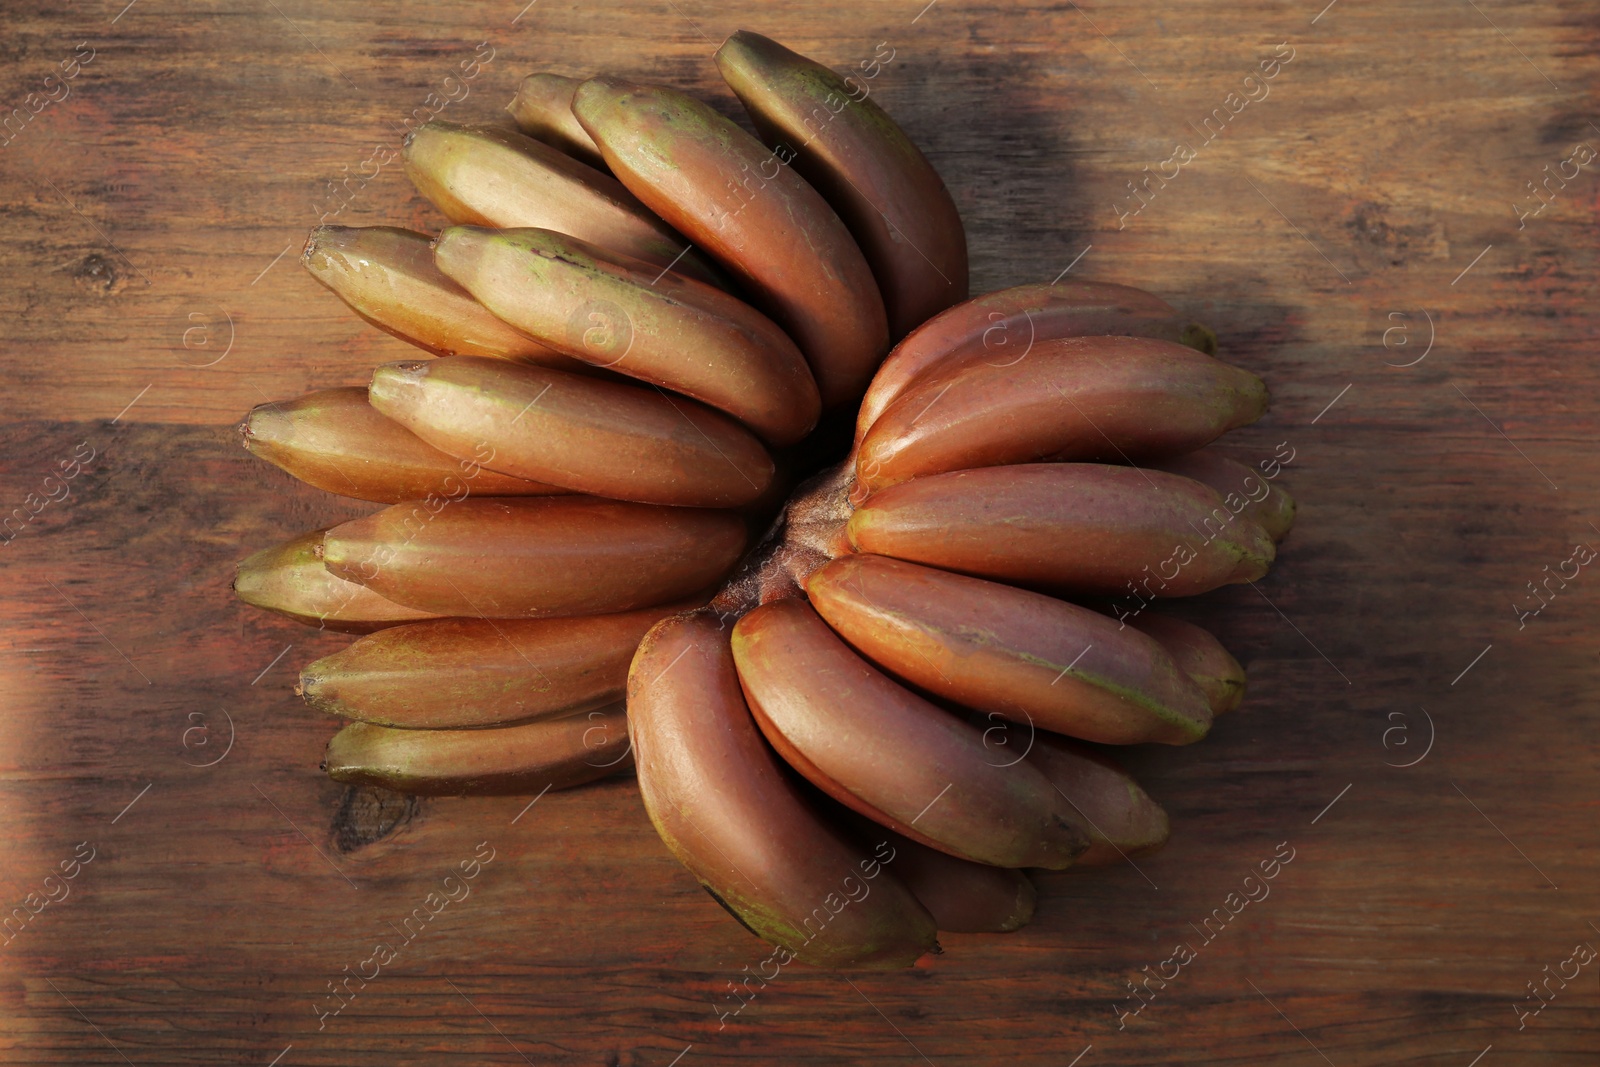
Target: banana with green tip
(456, 673)
(335, 440)
(611, 439)
(1199, 655)
(1023, 655)
(488, 176)
(290, 579)
(864, 165)
(734, 198)
(1005, 325)
(726, 807)
(388, 277)
(883, 751)
(528, 758)
(1244, 491)
(1071, 527)
(533, 557)
(1123, 821)
(630, 318)
(1072, 398)
(542, 109)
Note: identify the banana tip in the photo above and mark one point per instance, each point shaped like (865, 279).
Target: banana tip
(310, 247)
(443, 239)
(392, 381)
(1202, 338)
(742, 38)
(246, 585)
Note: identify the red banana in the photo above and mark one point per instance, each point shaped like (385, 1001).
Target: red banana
(531, 558)
(1123, 821)
(611, 439)
(1005, 325)
(1022, 655)
(1076, 527)
(1244, 492)
(711, 180)
(726, 808)
(290, 579)
(488, 176)
(879, 749)
(962, 896)
(528, 758)
(480, 672)
(335, 440)
(388, 277)
(1199, 655)
(542, 109)
(864, 165)
(1074, 398)
(649, 324)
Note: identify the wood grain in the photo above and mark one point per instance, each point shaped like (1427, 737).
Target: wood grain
(1371, 190)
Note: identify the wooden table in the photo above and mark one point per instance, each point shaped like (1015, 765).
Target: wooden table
(1353, 235)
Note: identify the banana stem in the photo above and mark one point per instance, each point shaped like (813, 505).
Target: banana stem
(809, 532)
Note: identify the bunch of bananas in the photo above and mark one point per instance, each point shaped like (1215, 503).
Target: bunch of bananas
(665, 456)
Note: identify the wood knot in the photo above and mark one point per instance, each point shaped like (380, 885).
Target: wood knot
(367, 814)
(98, 274)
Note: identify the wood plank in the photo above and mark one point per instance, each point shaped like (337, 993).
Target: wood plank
(197, 146)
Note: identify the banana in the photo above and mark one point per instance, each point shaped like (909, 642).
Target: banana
(607, 438)
(1243, 490)
(388, 277)
(1123, 821)
(1074, 527)
(963, 897)
(1005, 325)
(864, 165)
(653, 325)
(1073, 398)
(883, 751)
(1025, 656)
(530, 758)
(1199, 655)
(487, 176)
(335, 440)
(480, 672)
(290, 580)
(734, 198)
(726, 808)
(542, 109)
(531, 558)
